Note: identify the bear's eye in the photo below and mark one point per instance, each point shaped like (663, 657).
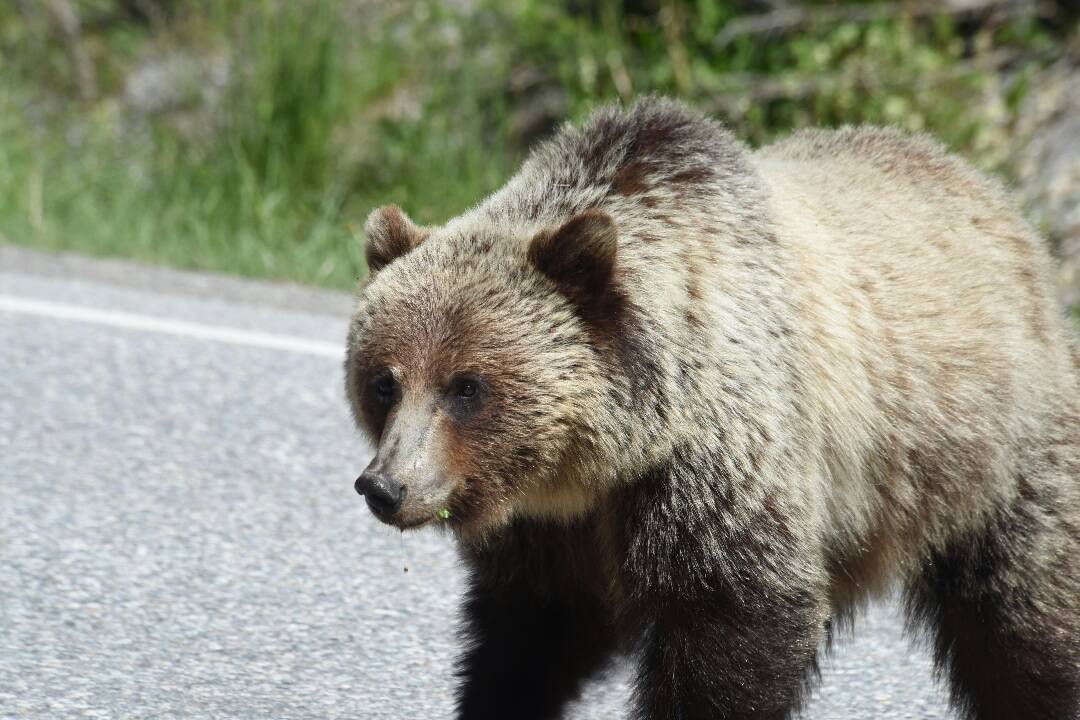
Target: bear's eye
(465, 395)
(465, 386)
(384, 385)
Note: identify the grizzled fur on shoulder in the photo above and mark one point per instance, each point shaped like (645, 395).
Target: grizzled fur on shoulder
(682, 400)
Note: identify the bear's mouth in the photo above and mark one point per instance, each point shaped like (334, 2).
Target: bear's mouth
(406, 520)
(403, 524)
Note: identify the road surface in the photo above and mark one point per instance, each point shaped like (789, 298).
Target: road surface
(179, 536)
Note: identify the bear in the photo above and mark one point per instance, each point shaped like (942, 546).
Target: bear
(694, 404)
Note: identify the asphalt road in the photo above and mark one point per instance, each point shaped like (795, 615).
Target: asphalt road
(179, 536)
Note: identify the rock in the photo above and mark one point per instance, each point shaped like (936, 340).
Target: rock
(540, 104)
(1047, 166)
(187, 91)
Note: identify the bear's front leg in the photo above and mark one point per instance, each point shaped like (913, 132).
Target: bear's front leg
(726, 592)
(533, 633)
(721, 658)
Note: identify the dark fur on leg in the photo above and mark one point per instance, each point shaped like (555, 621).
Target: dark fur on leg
(1003, 610)
(536, 634)
(731, 620)
(723, 661)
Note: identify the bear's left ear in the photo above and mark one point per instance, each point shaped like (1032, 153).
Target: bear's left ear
(389, 234)
(580, 255)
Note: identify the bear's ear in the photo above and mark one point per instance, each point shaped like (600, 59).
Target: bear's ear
(580, 255)
(389, 234)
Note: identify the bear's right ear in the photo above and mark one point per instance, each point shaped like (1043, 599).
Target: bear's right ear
(580, 255)
(389, 234)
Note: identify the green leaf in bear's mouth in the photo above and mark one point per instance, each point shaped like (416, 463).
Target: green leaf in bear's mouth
(443, 514)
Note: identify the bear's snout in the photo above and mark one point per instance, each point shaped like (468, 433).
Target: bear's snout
(383, 494)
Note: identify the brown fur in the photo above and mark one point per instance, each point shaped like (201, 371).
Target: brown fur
(732, 395)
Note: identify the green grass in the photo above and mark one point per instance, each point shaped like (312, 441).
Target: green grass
(281, 190)
(306, 146)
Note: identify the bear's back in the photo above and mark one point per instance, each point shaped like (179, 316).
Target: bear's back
(928, 327)
(914, 241)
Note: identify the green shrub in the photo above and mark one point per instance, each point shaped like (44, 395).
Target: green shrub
(334, 110)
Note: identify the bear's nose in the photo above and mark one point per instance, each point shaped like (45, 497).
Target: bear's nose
(384, 495)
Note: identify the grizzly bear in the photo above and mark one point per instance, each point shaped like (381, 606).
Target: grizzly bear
(697, 404)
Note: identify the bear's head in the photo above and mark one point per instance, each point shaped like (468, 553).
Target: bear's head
(476, 368)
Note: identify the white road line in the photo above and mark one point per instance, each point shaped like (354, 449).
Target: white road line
(131, 321)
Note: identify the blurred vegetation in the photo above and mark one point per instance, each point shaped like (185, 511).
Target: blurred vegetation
(253, 137)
